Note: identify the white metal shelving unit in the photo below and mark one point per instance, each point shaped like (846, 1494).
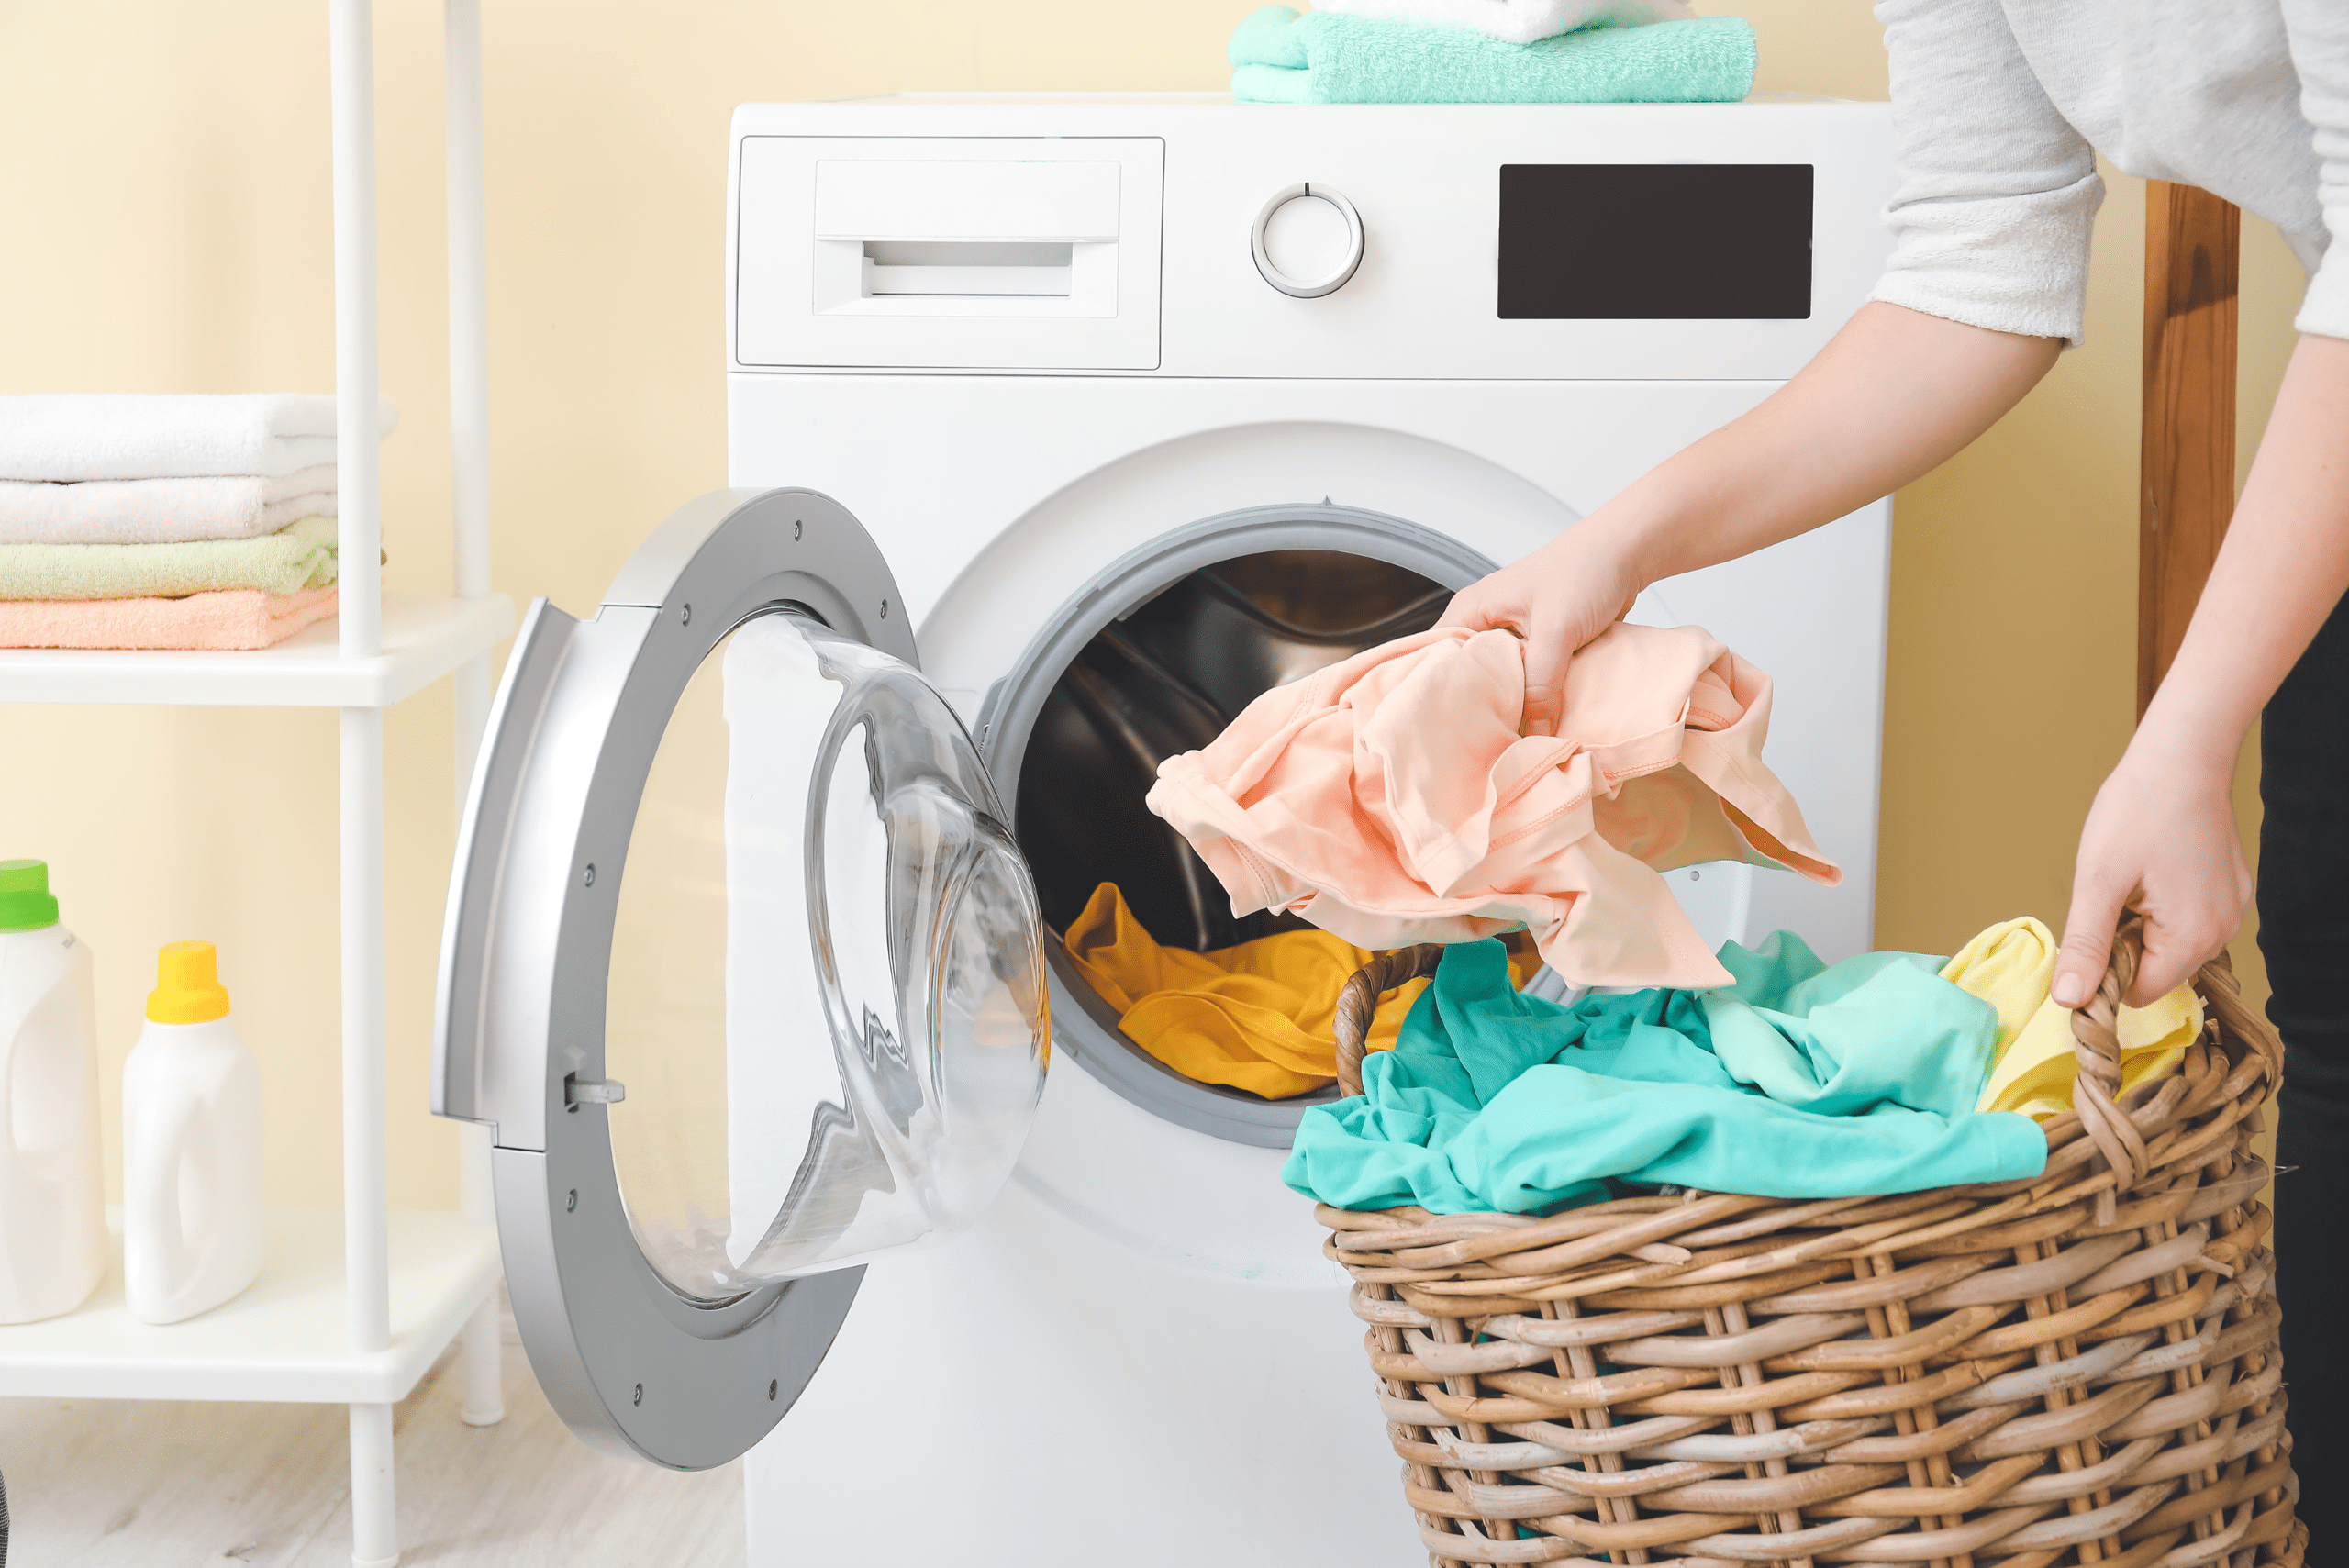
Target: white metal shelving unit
(351, 1308)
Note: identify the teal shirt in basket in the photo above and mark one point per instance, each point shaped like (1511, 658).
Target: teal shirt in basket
(1800, 1080)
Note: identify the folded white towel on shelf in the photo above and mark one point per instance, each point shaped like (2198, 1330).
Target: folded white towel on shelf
(77, 435)
(160, 511)
(1516, 21)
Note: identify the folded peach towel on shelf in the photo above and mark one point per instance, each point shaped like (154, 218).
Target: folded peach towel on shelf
(1390, 799)
(234, 617)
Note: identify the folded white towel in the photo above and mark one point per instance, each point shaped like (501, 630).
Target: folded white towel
(1516, 21)
(160, 511)
(131, 435)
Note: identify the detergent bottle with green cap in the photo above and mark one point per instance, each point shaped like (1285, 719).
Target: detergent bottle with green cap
(53, 1198)
(190, 1146)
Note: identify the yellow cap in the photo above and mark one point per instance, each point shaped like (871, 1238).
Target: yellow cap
(188, 988)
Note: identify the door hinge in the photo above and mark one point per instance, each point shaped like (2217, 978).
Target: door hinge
(578, 1091)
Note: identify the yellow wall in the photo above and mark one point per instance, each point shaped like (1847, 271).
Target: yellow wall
(163, 174)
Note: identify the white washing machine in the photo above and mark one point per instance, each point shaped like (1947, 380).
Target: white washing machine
(1123, 409)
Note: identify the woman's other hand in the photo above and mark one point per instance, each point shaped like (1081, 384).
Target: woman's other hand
(1557, 598)
(2161, 839)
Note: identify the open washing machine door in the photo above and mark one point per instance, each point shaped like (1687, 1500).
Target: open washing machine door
(741, 965)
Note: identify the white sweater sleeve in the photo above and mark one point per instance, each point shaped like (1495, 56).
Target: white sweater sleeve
(1996, 194)
(2318, 30)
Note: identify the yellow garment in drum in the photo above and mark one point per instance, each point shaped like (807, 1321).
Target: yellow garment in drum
(1259, 1016)
(2010, 966)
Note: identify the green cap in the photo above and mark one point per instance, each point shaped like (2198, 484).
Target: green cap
(25, 901)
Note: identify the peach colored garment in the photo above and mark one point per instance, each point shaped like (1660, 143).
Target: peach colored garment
(230, 618)
(1390, 799)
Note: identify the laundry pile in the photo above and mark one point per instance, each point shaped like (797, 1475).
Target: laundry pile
(1492, 51)
(131, 521)
(1259, 1016)
(1889, 1073)
(1390, 799)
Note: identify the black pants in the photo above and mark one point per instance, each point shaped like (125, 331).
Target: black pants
(2304, 933)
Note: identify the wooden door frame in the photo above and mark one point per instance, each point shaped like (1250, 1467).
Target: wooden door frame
(2187, 452)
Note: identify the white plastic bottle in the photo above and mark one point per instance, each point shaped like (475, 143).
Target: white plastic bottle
(190, 1146)
(53, 1198)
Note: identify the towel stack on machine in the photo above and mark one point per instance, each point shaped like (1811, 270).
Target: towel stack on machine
(1492, 51)
(130, 521)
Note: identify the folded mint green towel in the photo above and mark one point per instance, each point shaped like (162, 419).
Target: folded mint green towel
(1332, 57)
(1798, 1081)
(301, 555)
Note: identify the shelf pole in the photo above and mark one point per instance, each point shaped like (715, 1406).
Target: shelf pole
(358, 481)
(469, 516)
(365, 1190)
(468, 306)
(468, 405)
(366, 1196)
(358, 476)
(375, 1534)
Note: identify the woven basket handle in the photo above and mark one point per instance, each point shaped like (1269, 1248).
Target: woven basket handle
(2096, 1042)
(1358, 1002)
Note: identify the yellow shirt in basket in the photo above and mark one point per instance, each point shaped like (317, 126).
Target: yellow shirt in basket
(2010, 966)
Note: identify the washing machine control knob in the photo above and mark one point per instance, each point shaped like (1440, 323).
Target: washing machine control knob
(1308, 241)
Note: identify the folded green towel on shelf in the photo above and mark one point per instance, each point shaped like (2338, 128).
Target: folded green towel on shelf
(1331, 57)
(301, 555)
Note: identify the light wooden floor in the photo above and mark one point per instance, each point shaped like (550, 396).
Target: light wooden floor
(115, 1483)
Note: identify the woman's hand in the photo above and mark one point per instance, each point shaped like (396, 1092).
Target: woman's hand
(2161, 839)
(1557, 598)
(1893, 395)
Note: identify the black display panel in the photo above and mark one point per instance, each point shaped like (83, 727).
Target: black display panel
(1645, 241)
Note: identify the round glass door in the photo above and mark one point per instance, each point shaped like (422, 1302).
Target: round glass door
(826, 1015)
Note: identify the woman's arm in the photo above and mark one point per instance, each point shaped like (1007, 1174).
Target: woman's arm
(1987, 277)
(1892, 395)
(2161, 837)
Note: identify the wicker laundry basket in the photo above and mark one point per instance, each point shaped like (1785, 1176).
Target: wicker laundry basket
(2080, 1367)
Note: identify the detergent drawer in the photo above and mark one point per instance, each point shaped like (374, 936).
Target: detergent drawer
(950, 253)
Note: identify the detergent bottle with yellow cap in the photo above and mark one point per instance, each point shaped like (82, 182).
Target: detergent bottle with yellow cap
(190, 1146)
(52, 1198)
